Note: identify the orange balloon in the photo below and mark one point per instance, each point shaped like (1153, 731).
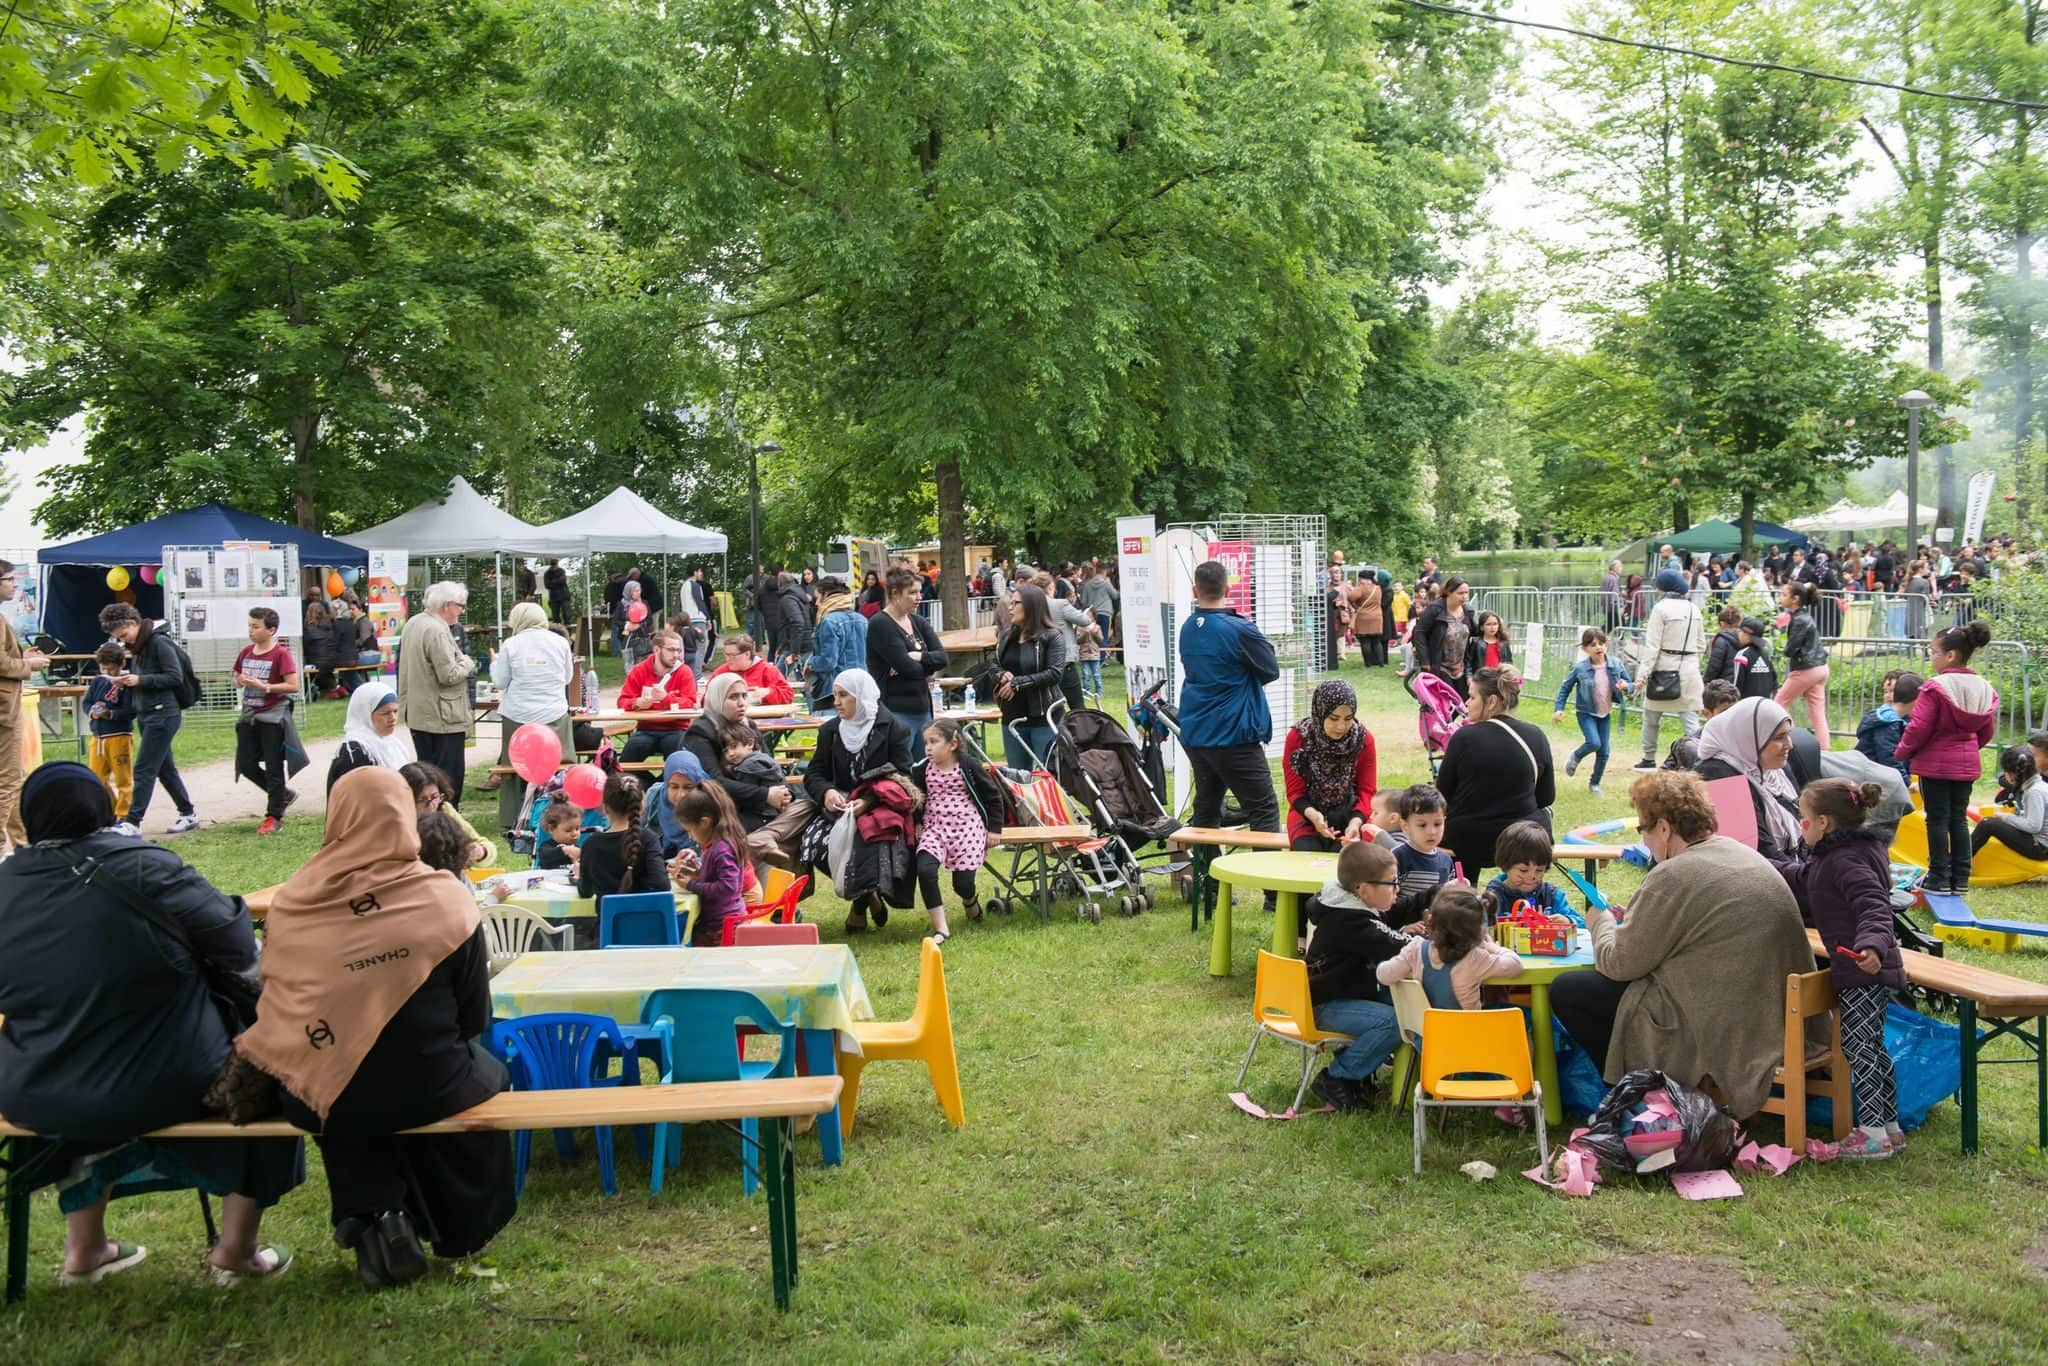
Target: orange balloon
(334, 584)
(126, 595)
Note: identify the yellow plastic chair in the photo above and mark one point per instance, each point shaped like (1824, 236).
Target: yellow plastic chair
(1491, 1042)
(1411, 1003)
(927, 1037)
(1281, 1010)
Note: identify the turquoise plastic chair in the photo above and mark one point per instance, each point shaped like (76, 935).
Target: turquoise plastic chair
(638, 920)
(697, 1029)
(557, 1052)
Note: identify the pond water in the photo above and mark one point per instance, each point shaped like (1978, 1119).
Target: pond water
(1516, 572)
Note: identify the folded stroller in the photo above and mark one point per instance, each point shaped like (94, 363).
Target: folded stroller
(1442, 712)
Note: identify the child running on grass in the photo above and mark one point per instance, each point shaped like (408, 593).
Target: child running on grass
(1597, 681)
(1844, 889)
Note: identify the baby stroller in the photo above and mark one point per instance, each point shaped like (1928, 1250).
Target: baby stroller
(1099, 765)
(1442, 712)
(1097, 866)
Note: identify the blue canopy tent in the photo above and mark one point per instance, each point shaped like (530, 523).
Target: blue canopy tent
(75, 586)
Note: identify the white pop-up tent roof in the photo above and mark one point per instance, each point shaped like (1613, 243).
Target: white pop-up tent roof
(462, 523)
(1847, 516)
(621, 521)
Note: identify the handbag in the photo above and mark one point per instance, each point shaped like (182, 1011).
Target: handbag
(241, 1091)
(1667, 685)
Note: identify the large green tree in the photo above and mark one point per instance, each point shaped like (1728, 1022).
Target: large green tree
(329, 362)
(1011, 258)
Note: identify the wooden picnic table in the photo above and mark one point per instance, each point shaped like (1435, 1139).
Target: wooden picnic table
(2007, 1004)
(767, 711)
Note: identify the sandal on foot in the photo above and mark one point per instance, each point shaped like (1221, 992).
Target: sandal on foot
(974, 910)
(939, 937)
(280, 1261)
(125, 1256)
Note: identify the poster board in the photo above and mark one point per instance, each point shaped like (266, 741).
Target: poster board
(1145, 656)
(209, 592)
(384, 596)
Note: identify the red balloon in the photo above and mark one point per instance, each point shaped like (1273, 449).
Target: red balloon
(583, 785)
(149, 573)
(536, 752)
(636, 612)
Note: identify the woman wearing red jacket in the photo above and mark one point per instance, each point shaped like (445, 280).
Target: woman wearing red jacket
(1331, 770)
(1954, 717)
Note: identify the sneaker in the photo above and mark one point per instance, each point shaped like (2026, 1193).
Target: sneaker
(1896, 1137)
(1646, 765)
(1593, 790)
(188, 821)
(1863, 1146)
(1571, 765)
(124, 828)
(1337, 1092)
(271, 825)
(290, 795)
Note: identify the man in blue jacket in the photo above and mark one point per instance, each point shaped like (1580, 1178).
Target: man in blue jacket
(1224, 720)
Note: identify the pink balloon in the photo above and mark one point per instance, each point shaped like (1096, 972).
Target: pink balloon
(636, 612)
(583, 785)
(536, 752)
(149, 573)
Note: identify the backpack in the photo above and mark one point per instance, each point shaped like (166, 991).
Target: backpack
(1755, 675)
(186, 689)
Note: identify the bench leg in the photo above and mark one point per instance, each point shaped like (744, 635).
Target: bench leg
(23, 1163)
(2040, 1081)
(1969, 1023)
(778, 1174)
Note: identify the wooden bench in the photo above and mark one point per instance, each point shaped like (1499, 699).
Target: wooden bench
(2007, 1005)
(1201, 891)
(1038, 842)
(28, 1160)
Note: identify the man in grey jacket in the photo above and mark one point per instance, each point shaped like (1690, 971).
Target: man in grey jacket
(433, 682)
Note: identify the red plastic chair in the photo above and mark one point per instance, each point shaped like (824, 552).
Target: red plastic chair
(780, 910)
(767, 932)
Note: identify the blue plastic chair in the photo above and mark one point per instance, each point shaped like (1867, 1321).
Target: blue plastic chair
(701, 1046)
(638, 920)
(557, 1052)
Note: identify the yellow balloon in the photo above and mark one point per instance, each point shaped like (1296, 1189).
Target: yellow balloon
(117, 578)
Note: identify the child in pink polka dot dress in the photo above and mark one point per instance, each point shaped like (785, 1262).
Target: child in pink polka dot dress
(962, 808)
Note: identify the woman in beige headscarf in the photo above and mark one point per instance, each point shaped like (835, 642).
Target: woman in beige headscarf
(376, 984)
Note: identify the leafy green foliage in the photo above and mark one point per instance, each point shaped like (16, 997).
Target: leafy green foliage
(321, 360)
(93, 91)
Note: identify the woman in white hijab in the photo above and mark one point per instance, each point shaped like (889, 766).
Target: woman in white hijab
(773, 815)
(371, 736)
(859, 743)
(1753, 740)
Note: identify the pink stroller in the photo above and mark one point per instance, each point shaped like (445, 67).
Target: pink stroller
(1442, 712)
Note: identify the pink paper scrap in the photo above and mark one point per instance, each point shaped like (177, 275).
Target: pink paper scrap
(1705, 1185)
(1576, 1173)
(1775, 1158)
(1659, 1103)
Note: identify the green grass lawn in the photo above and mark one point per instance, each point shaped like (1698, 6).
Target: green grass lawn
(1106, 1200)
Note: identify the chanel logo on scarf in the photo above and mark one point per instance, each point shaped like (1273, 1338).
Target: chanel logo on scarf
(319, 1034)
(364, 904)
(388, 956)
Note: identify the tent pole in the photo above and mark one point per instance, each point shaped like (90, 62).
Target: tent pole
(589, 617)
(498, 573)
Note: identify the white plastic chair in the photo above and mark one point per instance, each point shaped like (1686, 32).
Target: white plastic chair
(1410, 1003)
(513, 930)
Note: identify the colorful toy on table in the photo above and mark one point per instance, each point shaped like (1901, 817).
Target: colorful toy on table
(1528, 930)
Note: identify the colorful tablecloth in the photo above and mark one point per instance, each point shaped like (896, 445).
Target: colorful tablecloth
(812, 986)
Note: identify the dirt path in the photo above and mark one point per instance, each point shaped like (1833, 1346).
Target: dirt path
(218, 797)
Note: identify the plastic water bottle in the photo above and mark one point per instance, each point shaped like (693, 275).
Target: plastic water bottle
(970, 697)
(591, 701)
(938, 698)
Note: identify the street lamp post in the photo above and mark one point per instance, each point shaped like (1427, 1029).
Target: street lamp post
(754, 455)
(1913, 401)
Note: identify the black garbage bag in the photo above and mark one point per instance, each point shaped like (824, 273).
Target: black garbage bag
(1709, 1135)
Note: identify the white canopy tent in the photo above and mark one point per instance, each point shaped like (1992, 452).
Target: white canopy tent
(1847, 516)
(621, 521)
(463, 522)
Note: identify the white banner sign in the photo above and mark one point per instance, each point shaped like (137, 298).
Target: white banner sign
(1144, 628)
(1980, 503)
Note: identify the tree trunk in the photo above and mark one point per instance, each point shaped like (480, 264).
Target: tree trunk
(305, 434)
(1944, 456)
(1681, 516)
(952, 543)
(1748, 551)
(2021, 334)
